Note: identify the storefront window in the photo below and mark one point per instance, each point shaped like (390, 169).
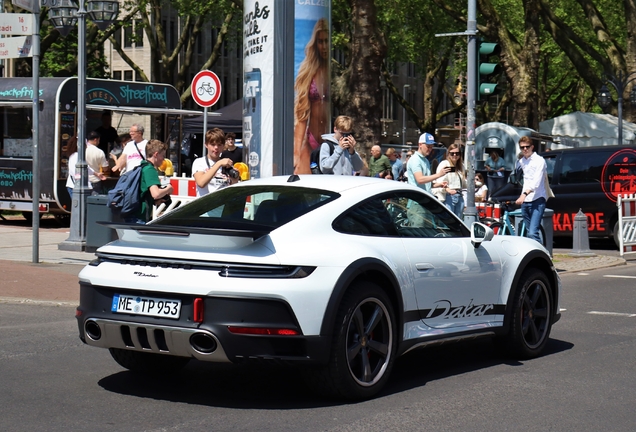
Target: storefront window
(16, 133)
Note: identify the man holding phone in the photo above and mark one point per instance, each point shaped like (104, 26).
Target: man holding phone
(337, 152)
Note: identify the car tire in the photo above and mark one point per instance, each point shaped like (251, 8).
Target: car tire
(363, 346)
(136, 361)
(532, 316)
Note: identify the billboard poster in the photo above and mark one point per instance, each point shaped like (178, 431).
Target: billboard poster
(258, 85)
(312, 55)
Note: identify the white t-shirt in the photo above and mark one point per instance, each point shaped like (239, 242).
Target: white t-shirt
(219, 180)
(95, 158)
(73, 175)
(72, 178)
(133, 158)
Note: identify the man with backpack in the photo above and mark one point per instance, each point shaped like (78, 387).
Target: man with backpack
(337, 152)
(150, 188)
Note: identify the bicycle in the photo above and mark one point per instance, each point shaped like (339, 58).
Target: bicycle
(504, 226)
(206, 87)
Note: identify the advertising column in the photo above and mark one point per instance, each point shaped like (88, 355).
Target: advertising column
(286, 103)
(312, 55)
(258, 85)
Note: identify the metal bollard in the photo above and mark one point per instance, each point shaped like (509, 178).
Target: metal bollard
(580, 237)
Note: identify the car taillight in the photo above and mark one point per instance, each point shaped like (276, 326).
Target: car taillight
(198, 310)
(263, 331)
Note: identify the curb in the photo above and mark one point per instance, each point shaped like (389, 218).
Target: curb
(19, 300)
(588, 264)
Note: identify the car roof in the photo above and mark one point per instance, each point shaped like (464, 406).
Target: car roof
(333, 183)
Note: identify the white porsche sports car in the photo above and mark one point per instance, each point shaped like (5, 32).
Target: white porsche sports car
(339, 274)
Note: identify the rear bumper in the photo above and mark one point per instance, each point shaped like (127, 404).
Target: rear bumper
(209, 340)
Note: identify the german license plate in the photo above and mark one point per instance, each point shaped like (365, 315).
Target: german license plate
(147, 306)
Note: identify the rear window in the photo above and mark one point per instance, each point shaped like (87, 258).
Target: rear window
(248, 207)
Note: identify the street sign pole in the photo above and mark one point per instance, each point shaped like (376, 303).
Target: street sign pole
(470, 212)
(36, 137)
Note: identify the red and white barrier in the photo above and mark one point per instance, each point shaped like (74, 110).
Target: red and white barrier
(185, 190)
(488, 210)
(627, 223)
(184, 186)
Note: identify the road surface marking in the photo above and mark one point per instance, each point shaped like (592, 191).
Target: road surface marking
(628, 315)
(620, 276)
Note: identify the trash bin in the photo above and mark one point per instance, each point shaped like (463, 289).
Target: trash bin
(96, 210)
(546, 223)
(548, 228)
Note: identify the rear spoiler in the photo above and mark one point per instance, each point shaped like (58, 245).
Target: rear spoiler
(169, 230)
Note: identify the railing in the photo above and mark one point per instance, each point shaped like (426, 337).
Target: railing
(177, 201)
(627, 223)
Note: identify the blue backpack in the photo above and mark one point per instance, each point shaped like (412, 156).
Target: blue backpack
(125, 197)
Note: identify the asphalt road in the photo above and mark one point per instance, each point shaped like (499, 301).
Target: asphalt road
(585, 382)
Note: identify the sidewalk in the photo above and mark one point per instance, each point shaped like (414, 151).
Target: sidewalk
(54, 278)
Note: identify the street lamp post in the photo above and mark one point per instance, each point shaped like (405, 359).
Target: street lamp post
(619, 82)
(64, 16)
(404, 87)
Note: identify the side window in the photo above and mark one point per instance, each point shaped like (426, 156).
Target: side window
(582, 167)
(368, 218)
(420, 216)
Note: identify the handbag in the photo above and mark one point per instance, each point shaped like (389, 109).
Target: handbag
(548, 191)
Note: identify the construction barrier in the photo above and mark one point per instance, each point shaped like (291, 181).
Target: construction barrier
(488, 210)
(185, 190)
(627, 223)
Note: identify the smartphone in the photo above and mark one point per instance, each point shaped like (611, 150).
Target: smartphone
(452, 169)
(346, 134)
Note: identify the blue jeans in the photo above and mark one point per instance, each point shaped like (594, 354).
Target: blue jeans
(455, 203)
(532, 214)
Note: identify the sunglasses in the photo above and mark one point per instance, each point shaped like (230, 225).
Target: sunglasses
(454, 153)
(524, 147)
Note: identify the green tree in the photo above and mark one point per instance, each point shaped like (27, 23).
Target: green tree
(171, 64)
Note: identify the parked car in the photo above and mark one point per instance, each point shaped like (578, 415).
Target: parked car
(587, 179)
(338, 274)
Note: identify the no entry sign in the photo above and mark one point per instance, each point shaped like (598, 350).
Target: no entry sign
(206, 88)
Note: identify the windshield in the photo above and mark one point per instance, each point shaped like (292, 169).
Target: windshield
(248, 207)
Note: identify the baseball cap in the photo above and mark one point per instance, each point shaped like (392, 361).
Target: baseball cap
(427, 138)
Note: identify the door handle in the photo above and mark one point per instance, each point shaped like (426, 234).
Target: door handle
(423, 267)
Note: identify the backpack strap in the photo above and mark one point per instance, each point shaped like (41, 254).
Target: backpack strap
(138, 151)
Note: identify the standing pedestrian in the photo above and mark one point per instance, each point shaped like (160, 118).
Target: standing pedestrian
(396, 162)
(533, 196)
(379, 164)
(418, 168)
(451, 194)
(343, 160)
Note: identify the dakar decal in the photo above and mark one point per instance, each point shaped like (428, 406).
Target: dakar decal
(444, 309)
(619, 174)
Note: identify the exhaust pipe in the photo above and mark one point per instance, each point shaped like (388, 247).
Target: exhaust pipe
(92, 330)
(203, 343)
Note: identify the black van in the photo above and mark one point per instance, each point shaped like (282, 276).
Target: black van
(586, 178)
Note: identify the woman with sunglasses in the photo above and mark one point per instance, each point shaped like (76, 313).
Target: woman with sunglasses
(451, 195)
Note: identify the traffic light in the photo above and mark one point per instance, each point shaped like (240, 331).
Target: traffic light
(488, 53)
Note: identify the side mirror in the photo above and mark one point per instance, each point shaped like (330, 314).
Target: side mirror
(480, 233)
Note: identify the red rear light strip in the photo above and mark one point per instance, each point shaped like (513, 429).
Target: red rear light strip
(263, 331)
(198, 310)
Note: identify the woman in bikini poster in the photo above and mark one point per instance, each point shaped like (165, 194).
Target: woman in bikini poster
(312, 107)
